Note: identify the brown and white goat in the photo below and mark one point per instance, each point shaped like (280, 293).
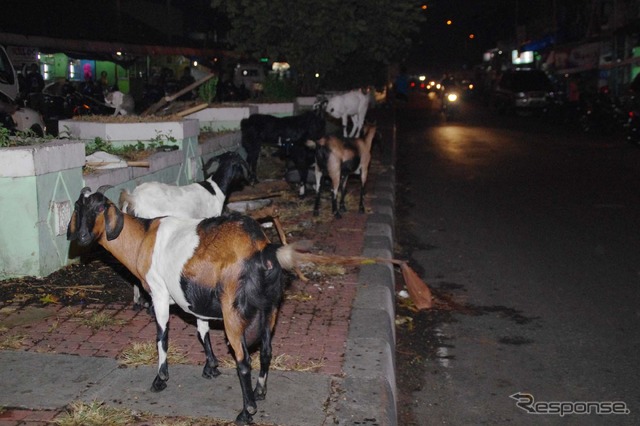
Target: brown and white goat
(222, 267)
(337, 158)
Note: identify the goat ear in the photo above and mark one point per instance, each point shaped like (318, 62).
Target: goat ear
(72, 229)
(206, 166)
(113, 221)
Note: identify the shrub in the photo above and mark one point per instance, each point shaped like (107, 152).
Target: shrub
(207, 91)
(278, 89)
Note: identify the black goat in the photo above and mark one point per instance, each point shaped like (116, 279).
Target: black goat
(291, 133)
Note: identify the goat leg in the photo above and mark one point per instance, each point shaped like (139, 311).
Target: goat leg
(234, 326)
(260, 391)
(316, 204)
(162, 340)
(343, 191)
(211, 362)
(249, 408)
(334, 204)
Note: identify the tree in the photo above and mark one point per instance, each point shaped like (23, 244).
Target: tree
(348, 43)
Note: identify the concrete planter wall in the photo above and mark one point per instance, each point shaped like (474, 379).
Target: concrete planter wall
(221, 118)
(38, 186)
(279, 109)
(120, 134)
(304, 103)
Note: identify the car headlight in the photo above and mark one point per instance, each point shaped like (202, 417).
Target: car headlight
(452, 97)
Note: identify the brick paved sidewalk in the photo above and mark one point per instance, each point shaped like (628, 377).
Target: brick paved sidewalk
(311, 329)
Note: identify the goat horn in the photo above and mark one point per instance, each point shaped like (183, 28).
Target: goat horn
(104, 188)
(85, 191)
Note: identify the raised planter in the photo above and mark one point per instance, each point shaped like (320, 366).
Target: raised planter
(279, 109)
(178, 168)
(304, 103)
(221, 118)
(120, 134)
(39, 184)
(175, 167)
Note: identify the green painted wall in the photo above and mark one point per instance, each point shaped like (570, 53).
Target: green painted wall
(19, 249)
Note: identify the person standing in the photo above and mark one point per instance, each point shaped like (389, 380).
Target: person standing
(104, 81)
(34, 80)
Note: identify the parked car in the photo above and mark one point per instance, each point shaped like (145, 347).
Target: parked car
(249, 77)
(522, 91)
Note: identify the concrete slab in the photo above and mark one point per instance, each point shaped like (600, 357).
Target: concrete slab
(293, 398)
(47, 381)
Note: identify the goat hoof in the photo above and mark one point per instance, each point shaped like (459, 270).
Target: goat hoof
(137, 307)
(210, 373)
(316, 213)
(158, 385)
(244, 418)
(361, 210)
(260, 393)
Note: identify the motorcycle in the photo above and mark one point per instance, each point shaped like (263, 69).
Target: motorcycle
(450, 104)
(601, 113)
(451, 97)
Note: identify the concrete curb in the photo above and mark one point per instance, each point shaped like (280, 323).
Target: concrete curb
(370, 383)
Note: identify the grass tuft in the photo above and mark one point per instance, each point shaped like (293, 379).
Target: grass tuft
(99, 320)
(12, 342)
(282, 362)
(146, 354)
(94, 413)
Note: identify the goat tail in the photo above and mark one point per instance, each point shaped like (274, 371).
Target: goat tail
(126, 202)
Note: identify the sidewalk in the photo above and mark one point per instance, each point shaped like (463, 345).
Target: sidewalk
(334, 341)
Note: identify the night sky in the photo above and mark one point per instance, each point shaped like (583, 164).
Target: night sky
(441, 47)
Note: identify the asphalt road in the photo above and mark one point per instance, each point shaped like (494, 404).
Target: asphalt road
(530, 232)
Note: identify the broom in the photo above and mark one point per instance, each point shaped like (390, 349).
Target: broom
(418, 289)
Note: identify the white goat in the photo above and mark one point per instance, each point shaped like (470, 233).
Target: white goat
(354, 105)
(197, 200)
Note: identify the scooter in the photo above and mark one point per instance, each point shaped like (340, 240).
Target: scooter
(20, 119)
